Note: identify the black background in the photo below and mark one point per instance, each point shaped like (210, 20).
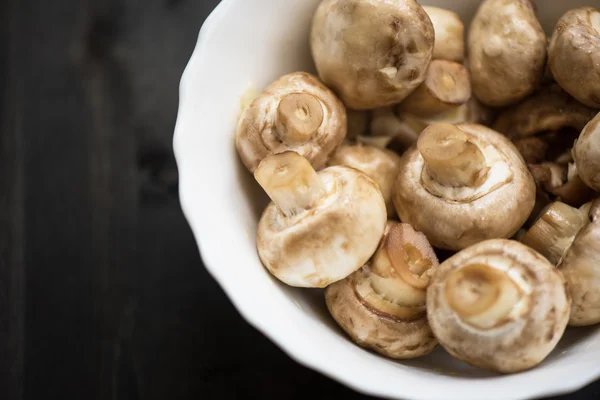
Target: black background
(102, 292)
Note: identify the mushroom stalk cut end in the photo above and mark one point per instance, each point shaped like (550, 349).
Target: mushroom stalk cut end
(299, 117)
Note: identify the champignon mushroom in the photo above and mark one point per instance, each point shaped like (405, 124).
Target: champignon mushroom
(533, 149)
(358, 123)
(449, 34)
(586, 153)
(563, 181)
(296, 112)
(463, 184)
(382, 305)
(498, 305)
(381, 165)
(447, 86)
(574, 54)
(507, 51)
(372, 53)
(320, 227)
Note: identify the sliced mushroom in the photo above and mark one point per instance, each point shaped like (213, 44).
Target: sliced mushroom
(296, 112)
(574, 54)
(372, 53)
(463, 184)
(320, 227)
(447, 86)
(586, 154)
(381, 165)
(507, 51)
(563, 181)
(382, 305)
(449, 34)
(498, 305)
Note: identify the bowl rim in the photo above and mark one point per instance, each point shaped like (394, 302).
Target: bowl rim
(314, 360)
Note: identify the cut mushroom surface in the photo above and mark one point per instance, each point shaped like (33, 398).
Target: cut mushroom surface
(449, 34)
(373, 53)
(498, 305)
(296, 112)
(320, 227)
(586, 154)
(382, 305)
(574, 54)
(463, 184)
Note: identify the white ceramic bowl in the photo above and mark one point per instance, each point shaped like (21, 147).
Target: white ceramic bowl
(248, 44)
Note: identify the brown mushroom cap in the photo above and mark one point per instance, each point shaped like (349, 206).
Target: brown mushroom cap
(382, 305)
(381, 165)
(581, 267)
(296, 112)
(320, 227)
(587, 154)
(495, 200)
(507, 51)
(574, 54)
(449, 34)
(372, 53)
(498, 305)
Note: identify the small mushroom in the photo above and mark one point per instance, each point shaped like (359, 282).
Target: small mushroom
(498, 305)
(449, 34)
(320, 227)
(586, 154)
(507, 51)
(372, 53)
(574, 54)
(381, 165)
(563, 181)
(382, 305)
(296, 112)
(549, 109)
(447, 86)
(463, 184)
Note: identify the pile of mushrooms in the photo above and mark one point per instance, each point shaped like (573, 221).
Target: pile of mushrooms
(414, 144)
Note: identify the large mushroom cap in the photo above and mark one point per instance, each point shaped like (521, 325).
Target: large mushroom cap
(507, 51)
(498, 305)
(574, 54)
(587, 154)
(373, 53)
(320, 227)
(381, 165)
(296, 112)
(581, 267)
(463, 184)
(382, 305)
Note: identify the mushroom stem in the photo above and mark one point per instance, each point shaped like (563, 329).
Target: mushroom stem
(481, 295)
(299, 117)
(290, 181)
(450, 157)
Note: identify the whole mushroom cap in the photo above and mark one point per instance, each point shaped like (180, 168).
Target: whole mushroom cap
(296, 112)
(373, 53)
(587, 154)
(574, 54)
(498, 305)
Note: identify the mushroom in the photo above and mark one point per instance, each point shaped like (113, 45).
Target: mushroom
(372, 53)
(507, 51)
(381, 165)
(296, 112)
(586, 154)
(403, 132)
(549, 109)
(574, 54)
(533, 149)
(563, 181)
(498, 305)
(447, 85)
(382, 305)
(320, 227)
(358, 123)
(449, 34)
(463, 184)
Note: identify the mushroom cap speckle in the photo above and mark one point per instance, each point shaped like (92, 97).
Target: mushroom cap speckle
(530, 329)
(373, 53)
(329, 241)
(587, 154)
(257, 136)
(574, 54)
(581, 267)
(507, 51)
(456, 218)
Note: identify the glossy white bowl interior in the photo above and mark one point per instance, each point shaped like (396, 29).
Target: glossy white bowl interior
(248, 44)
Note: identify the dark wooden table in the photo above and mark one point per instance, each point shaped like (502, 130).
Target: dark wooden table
(102, 292)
